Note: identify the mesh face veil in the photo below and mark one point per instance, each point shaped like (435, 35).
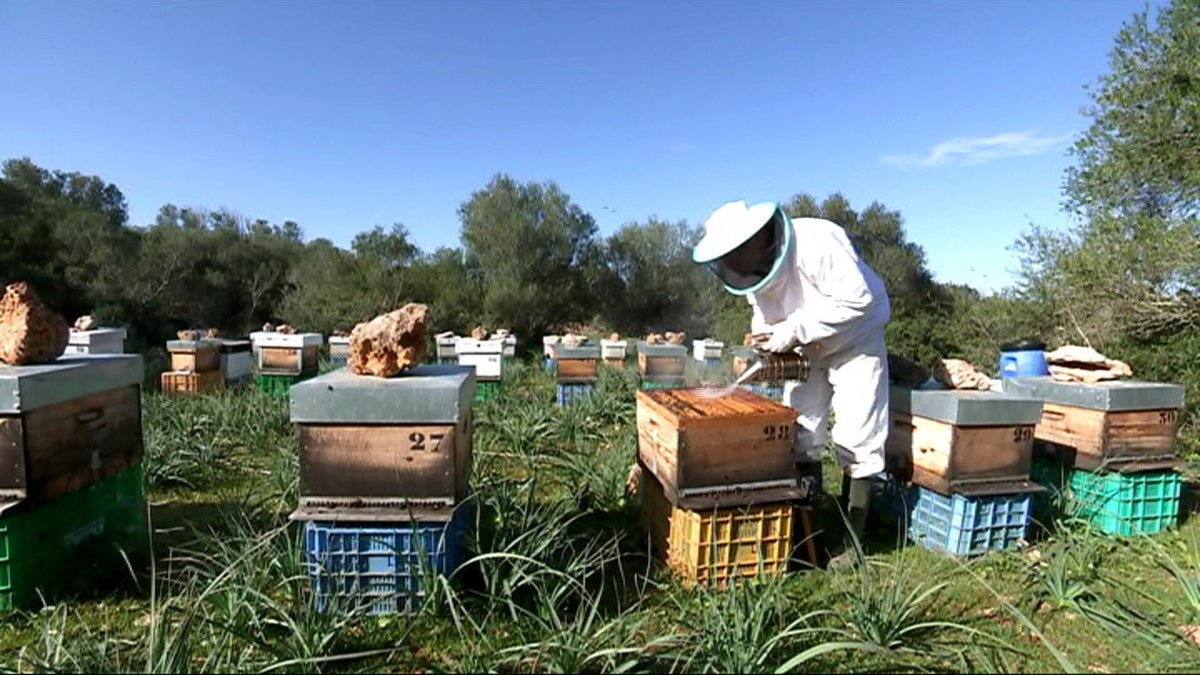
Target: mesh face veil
(753, 264)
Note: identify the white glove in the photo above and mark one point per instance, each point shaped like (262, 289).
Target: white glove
(783, 339)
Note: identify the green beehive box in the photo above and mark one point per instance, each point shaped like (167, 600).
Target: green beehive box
(74, 543)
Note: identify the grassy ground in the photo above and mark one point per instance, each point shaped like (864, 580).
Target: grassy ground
(560, 579)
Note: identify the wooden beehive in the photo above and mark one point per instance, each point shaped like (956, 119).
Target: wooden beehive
(194, 356)
(968, 442)
(384, 449)
(67, 425)
(661, 361)
(1127, 424)
(576, 364)
(184, 383)
(723, 448)
(716, 546)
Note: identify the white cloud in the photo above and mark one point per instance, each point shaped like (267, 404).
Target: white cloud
(972, 150)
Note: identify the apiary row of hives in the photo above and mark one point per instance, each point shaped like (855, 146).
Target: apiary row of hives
(275, 360)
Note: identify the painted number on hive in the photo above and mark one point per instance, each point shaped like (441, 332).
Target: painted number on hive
(1166, 417)
(420, 441)
(1022, 434)
(777, 432)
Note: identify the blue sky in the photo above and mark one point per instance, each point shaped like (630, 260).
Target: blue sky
(342, 116)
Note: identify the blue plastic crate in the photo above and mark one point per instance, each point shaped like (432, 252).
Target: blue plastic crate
(969, 526)
(569, 392)
(381, 569)
(548, 364)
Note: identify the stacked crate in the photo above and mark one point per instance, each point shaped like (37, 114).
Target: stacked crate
(486, 357)
(967, 456)
(721, 492)
(98, 341)
(575, 370)
(1109, 451)
(284, 359)
(708, 352)
(384, 467)
(195, 368)
(237, 362)
(444, 348)
(613, 352)
(661, 366)
(72, 506)
(339, 351)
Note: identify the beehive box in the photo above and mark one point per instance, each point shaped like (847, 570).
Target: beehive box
(194, 356)
(576, 364)
(968, 442)
(185, 384)
(339, 351)
(287, 354)
(384, 448)
(716, 546)
(237, 361)
(718, 449)
(508, 343)
(99, 341)
(661, 362)
(614, 351)
(67, 425)
(444, 347)
(707, 351)
(1106, 424)
(485, 356)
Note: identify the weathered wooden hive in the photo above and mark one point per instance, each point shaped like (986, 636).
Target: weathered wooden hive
(718, 449)
(67, 425)
(662, 364)
(613, 352)
(384, 449)
(576, 364)
(962, 442)
(1129, 425)
(195, 368)
(287, 354)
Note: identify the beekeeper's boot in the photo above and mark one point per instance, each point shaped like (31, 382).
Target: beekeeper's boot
(856, 493)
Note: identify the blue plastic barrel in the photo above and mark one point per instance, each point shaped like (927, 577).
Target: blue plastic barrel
(1024, 358)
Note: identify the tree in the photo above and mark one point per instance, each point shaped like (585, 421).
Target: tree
(534, 249)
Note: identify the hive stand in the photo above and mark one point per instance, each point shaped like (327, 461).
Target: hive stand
(384, 449)
(1121, 426)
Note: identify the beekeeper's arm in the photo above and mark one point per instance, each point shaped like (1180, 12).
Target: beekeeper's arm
(833, 268)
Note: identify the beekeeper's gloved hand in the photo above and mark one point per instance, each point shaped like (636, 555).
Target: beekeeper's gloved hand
(783, 339)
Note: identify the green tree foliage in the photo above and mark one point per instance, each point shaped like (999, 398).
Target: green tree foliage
(652, 284)
(536, 253)
(1131, 267)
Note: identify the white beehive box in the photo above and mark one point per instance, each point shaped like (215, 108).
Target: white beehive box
(300, 350)
(485, 356)
(707, 350)
(611, 350)
(444, 344)
(509, 342)
(237, 361)
(548, 343)
(99, 341)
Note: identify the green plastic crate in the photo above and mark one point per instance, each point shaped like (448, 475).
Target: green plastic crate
(279, 385)
(1127, 504)
(486, 391)
(669, 384)
(73, 543)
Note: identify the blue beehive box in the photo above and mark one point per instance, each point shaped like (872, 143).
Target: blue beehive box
(381, 568)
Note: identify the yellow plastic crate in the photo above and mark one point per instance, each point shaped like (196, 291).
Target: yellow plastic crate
(715, 546)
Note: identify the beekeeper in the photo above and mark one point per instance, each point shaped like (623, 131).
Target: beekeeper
(809, 289)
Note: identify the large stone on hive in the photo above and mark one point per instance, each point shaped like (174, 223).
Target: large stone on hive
(390, 343)
(30, 332)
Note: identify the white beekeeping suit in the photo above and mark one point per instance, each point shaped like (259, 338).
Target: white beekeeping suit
(818, 293)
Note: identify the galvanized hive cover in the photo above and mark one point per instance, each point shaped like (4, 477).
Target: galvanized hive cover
(287, 340)
(677, 351)
(1117, 396)
(190, 345)
(234, 346)
(25, 388)
(424, 395)
(967, 408)
(581, 352)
